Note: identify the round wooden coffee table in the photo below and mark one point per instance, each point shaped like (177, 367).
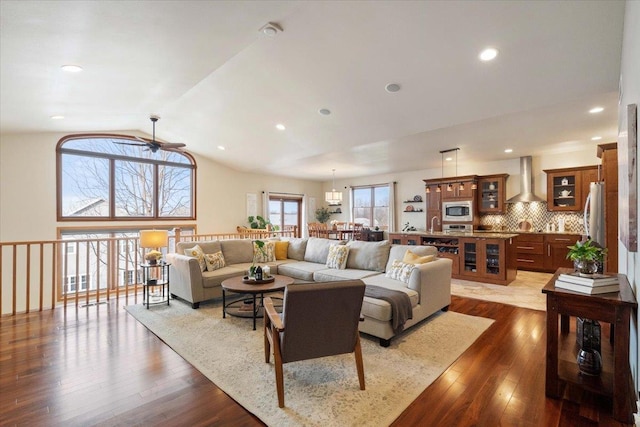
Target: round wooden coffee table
(248, 307)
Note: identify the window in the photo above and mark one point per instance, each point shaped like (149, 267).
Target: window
(284, 211)
(371, 206)
(70, 283)
(112, 177)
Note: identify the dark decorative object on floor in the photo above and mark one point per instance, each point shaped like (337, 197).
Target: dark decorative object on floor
(588, 338)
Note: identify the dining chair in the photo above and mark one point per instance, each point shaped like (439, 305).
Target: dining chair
(321, 320)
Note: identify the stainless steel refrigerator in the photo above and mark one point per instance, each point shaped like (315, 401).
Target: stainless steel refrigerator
(594, 213)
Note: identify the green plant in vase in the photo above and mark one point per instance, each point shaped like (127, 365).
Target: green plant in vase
(260, 245)
(586, 256)
(322, 215)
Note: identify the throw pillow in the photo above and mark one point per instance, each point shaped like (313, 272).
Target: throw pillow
(411, 258)
(400, 271)
(197, 253)
(214, 261)
(337, 258)
(264, 254)
(282, 249)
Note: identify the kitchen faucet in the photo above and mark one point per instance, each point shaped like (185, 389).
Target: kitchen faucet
(436, 218)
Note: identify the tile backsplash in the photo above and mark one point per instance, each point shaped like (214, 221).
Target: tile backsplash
(539, 216)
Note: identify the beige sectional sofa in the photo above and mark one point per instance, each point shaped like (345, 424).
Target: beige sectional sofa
(428, 285)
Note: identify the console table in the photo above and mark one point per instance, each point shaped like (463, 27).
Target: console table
(613, 308)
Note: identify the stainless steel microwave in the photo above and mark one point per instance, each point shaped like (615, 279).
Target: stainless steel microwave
(457, 211)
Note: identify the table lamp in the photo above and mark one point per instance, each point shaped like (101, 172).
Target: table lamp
(154, 240)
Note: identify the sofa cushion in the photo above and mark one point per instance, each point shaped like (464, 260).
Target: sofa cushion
(379, 309)
(318, 249)
(208, 246)
(214, 261)
(332, 275)
(237, 251)
(337, 257)
(297, 248)
(211, 279)
(368, 255)
(264, 254)
(400, 271)
(302, 270)
(281, 250)
(197, 253)
(412, 258)
(398, 251)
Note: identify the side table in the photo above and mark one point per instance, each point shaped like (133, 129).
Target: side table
(153, 276)
(614, 308)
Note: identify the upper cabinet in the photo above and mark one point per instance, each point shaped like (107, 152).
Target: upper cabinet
(491, 193)
(567, 188)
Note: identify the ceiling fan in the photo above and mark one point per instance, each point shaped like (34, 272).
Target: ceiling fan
(153, 145)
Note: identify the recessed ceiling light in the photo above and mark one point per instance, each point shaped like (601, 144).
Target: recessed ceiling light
(596, 138)
(448, 159)
(280, 126)
(488, 54)
(392, 87)
(221, 148)
(56, 117)
(71, 68)
(270, 29)
(324, 111)
(508, 150)
(596, 110)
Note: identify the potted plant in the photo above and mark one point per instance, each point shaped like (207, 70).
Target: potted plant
(586, 256)
(260, 245)
(322, 215)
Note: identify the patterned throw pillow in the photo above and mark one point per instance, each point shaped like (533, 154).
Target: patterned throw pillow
(197, 253)
(400, 271)
(411, 258)
(337, 258)
(282, 248)
(214, 261)
(266, 254)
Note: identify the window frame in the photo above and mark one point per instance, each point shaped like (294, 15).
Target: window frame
(373, 206)
(112, 158)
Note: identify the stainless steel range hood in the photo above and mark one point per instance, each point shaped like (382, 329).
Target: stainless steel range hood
(526, 184)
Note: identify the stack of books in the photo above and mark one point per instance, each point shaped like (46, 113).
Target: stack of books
(595, 284)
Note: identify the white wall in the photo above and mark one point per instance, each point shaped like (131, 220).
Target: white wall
(629, 262)
(28, 190)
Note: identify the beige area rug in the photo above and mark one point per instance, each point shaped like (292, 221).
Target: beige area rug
(320, 392)
(525, 291)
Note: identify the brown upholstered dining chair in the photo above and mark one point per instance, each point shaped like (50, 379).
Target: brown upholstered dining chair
(317, 320)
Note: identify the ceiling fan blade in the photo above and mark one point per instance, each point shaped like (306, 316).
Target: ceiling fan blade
(173, 145)
(130, 143)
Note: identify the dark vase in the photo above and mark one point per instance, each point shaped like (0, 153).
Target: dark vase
(589, 362)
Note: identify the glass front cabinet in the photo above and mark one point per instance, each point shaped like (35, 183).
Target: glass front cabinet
(491, 193)
(485, 258)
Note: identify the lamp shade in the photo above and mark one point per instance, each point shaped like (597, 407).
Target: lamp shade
(154, 238)
(333, 197)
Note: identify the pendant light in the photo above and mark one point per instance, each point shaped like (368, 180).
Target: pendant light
(333, 197)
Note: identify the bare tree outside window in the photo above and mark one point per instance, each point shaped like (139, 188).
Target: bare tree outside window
(145, 184)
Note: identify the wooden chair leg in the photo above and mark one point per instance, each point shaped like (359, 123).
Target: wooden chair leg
(359, 364)
(279, 374)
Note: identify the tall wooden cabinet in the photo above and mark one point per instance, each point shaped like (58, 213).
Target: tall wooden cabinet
(609, 155)
(434, 208)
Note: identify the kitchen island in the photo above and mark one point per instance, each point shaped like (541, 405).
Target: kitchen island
(481, 257)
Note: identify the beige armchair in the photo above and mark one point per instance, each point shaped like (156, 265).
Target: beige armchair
(318, 320)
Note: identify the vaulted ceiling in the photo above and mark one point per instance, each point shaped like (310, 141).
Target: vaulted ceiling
(217, 81)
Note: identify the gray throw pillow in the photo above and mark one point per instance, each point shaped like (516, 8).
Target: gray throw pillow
(296, 248)
(371, 256)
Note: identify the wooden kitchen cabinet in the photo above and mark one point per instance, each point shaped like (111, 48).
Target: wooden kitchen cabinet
(556, 250)
(530, 251)
(405, 239)
(491, 193)
(609, 155)
(567, 188)
(458, 191)
(434, 208)
(486, 259)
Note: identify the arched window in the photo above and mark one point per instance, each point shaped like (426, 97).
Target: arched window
(116, 177)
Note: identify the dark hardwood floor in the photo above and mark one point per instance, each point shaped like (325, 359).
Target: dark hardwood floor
(99, 366)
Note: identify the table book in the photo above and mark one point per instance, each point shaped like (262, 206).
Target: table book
(593, 280)
(588, 289)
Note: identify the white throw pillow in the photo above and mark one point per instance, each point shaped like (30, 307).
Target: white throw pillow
(337, 258)
(214, 261)
(197, 253)
(400, 271)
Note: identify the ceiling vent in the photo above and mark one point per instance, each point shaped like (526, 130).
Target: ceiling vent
(526, 184)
